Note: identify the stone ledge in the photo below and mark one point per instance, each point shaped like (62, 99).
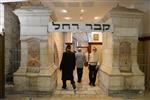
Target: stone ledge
(125, 93)
(30, 93)
(121, 83)
(120, 73)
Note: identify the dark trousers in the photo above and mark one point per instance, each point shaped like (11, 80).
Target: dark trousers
(92, 74)
(79, 73)
(72, 82)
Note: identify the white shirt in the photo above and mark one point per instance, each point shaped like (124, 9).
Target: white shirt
(94, 58)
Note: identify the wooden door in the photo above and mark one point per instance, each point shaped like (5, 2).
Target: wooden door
(2, 71)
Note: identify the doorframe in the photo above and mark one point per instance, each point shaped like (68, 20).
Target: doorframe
(2, 65)
(145, 69)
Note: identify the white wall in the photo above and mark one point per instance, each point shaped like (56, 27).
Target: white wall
(145, 7)
(59, 41)
(1, 17)
(68, 37)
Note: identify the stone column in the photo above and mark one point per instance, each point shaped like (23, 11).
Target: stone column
(120, 71)
(59, 46)
(37, 72)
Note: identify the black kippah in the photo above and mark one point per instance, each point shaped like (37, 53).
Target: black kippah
(68, 47)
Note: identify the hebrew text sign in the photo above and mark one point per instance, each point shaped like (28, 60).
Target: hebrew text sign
(78, 26)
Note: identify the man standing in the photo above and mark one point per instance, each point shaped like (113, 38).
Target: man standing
(93, 66)
(67, 66)
(80, 60)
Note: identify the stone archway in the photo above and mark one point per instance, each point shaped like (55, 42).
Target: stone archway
(34, 23)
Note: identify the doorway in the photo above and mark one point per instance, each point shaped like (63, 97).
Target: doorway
(83, 87)
(2, 68)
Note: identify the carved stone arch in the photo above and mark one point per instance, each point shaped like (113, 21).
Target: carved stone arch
(125, 60)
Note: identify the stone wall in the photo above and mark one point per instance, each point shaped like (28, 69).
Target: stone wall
(145, 7)
(120, 70)
(37, 72)
(12, 31)
(144, 46)
(143, 60)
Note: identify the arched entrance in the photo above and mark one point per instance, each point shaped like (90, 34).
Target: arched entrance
(83, 88)
(42, 69)
(66, 28)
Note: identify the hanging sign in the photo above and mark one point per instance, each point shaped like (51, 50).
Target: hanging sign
(78, 26)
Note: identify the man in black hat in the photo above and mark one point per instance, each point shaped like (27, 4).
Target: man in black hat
(67, 66)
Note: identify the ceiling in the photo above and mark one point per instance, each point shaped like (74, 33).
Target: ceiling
(92, 8)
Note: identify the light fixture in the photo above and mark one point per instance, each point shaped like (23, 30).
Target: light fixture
(64, 11)
(96, 18)
(67, 18)
(81, 17)
(82, 10)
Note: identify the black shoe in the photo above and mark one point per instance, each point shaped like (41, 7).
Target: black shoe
(90, 83)
(93, 84)
(63, 87)
(79, 81)
(75, 91)
(74, 86)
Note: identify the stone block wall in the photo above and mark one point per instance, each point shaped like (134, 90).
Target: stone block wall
(143, 60)
(120, 70)
(37, 72)
(12, 31)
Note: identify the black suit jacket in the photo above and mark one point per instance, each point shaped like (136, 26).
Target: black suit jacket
(67, 65)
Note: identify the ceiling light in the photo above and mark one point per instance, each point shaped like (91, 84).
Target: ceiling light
(96, 18)
(81, 17)
(64, 11)
(82, 10)
(67, 18)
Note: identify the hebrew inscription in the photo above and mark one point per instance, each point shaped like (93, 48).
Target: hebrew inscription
(74, 26)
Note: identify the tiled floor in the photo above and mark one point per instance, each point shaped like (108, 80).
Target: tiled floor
(83, 92)
(83, 88)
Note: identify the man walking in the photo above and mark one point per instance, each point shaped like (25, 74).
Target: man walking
(93, 66)
(80, 60)
(67, 66)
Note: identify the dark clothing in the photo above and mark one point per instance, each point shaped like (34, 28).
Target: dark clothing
(95, 74)
(65, 85)
(79, 73)
(92, 74)
(67, 66)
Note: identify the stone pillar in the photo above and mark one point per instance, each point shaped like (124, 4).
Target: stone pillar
(120, 71)
(37, 72)
(58, 46)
